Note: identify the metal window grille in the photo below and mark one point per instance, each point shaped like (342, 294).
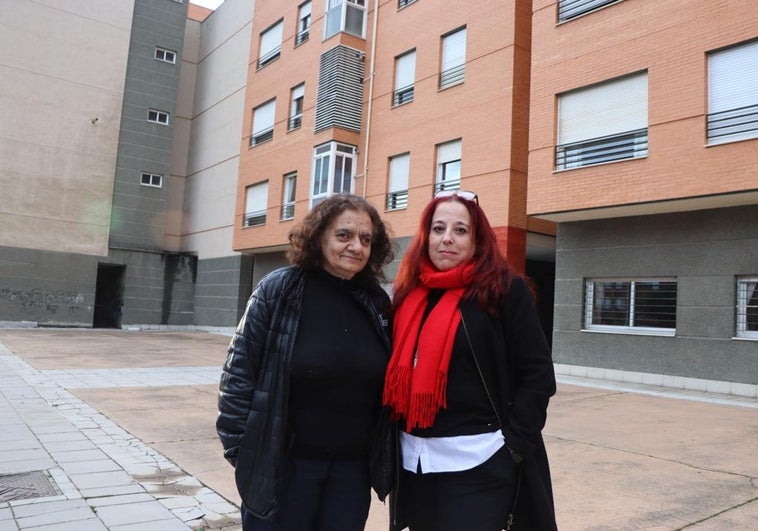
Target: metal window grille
(255, 218)
(452, 76)
(269, 57)
(629, 145)
(261, 136)
(635, 305)
(397, 200)
(568, 9)
(288, 211)
(403, 95)
(733, 124)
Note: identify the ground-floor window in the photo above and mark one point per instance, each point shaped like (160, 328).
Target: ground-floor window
(747, 307)
(640, 306)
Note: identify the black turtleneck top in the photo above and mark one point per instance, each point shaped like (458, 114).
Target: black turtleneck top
(337, 373)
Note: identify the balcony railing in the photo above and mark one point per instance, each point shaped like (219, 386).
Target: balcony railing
(255, 218)
(629, 145)
(452, 76)
(403, 95)
(261, 136)
(397, 200)
(301, 37)
(295, 122)
(447, 185)
(734, 124)
(270, 56)
(568, 9)
(288, 211)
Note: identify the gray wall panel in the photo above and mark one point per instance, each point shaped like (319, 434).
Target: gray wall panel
(704, 250)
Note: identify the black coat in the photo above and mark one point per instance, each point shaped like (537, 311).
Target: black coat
(254, 387)
(518, 368)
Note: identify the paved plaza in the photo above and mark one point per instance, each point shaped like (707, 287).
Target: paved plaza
(114, 429)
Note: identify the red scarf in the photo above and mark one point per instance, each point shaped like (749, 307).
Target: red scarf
(417, 392)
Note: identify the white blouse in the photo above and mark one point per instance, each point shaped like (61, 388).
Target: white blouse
(448, 454)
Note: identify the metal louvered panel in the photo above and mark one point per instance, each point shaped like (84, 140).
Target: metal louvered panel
(339, 101)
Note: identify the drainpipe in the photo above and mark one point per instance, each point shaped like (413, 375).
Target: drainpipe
(370, 95)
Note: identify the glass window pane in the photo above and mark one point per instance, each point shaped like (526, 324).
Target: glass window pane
(611, 303)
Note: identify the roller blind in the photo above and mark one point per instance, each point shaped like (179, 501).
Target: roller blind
(448, 151)
(271, 39)
(602, 110)
(406, 70)
(399, 169)
(454, 50)
(256, 197)
(263, 117)
(733, 78)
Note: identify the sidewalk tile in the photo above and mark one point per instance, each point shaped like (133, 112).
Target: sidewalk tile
(133, 513)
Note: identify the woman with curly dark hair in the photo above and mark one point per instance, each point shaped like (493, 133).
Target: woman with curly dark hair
(300, 393)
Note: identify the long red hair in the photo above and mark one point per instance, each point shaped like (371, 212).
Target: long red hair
(491, 271)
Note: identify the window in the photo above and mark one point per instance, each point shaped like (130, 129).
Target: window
(151, 179)
(303, 23)
(296, 107)
(568, 9)
(397, 189)
(602, 123)
(333, 166)
(403, 3)
(164, 55)
(453, 58)
(632, 306)
(405, 71)
(263, 123)
(448, 166)
(256, 201)
(345, 15)
(271, 45)
(747, 307)
(288, 196)
(732, 94)
(158, 117)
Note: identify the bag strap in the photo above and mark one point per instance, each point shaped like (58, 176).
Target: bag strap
(509, 520)
(479, 370)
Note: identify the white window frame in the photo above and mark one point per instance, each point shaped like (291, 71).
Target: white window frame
(153, 180)
(165, 55)
(297, 99)
(328, 158)
(158, 117)
(304, 18)
(449, 165)
(453, 58)
(263, 123)
(602, 123)
(629, 328)
(405, 73)
(289, 191)
(340, 13)
(732, 94)
(256, 204)
(747, 302)
(397, 183)
(270, 44)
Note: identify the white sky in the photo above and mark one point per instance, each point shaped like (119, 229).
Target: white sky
(213, 4)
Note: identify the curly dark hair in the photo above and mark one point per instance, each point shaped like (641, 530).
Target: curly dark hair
(305, 239)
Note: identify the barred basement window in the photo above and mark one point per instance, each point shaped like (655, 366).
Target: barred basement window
(747, 307)
(644, 306)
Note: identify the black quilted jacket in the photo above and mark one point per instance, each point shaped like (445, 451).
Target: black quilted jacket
(254, 388)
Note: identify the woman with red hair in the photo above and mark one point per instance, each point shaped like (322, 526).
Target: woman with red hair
(469, 381)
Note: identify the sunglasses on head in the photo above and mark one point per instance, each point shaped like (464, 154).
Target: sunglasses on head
(462, 194)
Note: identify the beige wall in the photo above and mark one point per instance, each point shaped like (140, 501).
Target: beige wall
(208, 129)
(618, 40)
(60, 109)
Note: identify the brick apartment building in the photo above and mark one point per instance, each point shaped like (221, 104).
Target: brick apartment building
(613, 145)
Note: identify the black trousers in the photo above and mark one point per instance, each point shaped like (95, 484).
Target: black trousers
(478, 499)
(320, 495)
